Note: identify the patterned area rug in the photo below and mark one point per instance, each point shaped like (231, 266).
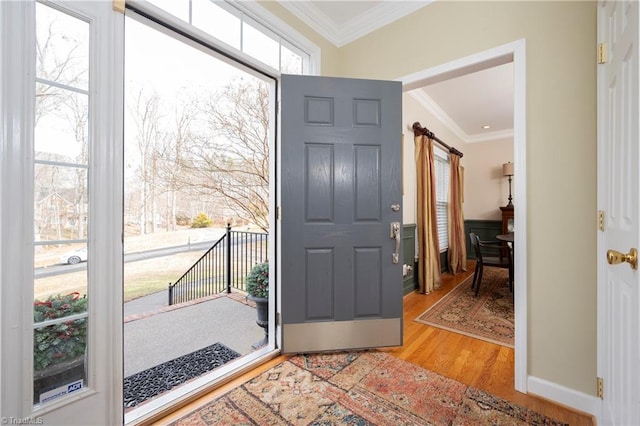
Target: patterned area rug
(358, 388)
(489, 317)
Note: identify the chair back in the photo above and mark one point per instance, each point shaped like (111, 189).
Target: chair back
(476, 247)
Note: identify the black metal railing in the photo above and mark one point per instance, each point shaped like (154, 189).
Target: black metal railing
(223, 267)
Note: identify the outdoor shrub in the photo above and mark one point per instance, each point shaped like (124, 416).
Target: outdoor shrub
(258, 281)
(201, 221)
(61, 342)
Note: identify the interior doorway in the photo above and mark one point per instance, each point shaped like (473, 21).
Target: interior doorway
(510, 53)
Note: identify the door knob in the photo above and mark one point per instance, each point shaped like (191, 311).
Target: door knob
(614, 257)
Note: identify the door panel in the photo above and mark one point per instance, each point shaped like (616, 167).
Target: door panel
(340, 174)
(618, 188)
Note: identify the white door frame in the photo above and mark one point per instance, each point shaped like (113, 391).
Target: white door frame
(511, 52)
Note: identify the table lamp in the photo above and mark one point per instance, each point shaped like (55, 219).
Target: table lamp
(507, 170)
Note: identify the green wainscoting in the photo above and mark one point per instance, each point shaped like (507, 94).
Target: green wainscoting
(409, 247)
(485, 229)
(410, 281)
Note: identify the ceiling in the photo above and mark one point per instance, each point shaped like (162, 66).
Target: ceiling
(464, 104)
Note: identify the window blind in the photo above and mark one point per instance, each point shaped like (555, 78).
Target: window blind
(441, 163)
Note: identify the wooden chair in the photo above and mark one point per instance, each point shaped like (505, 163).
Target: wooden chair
(490, 253)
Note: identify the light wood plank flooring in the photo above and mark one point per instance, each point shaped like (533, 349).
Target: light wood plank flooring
(471, 361)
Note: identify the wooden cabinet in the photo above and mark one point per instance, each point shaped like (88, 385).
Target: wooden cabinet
(507, 219)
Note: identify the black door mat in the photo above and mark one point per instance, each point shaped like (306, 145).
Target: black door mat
(153, 381)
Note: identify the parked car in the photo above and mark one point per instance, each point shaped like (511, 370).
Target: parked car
(74, 257)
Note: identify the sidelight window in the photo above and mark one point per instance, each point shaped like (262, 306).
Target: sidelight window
(61, 214)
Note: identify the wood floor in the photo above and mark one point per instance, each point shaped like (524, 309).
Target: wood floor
(471, 361)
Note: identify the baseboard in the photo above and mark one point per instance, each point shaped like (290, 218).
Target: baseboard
(568, 397)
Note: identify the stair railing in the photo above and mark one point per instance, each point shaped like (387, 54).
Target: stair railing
(221, 268)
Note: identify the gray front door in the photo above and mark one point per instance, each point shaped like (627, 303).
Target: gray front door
(340, 193)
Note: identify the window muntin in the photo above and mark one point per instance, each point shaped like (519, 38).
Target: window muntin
(60, 165)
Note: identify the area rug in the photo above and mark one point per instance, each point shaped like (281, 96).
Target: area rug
(489, 317)
(155, 380)
(358, 388)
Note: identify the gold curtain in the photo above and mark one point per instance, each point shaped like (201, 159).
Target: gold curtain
(429, 277)
(455, 216)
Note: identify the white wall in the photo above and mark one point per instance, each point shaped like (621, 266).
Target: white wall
(485, 188)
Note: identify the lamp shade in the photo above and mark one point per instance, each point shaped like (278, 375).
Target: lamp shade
(507, 169)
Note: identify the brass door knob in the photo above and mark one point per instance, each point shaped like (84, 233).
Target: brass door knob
(614, 257)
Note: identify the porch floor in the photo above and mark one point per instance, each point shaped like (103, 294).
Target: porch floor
(155, 333)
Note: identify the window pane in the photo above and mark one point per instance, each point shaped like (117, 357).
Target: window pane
(62, 46)
(216, 21)
(62, 125)
(260, 46)
(291, 62)
(60, 211)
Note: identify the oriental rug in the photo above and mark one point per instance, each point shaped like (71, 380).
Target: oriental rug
(358, 388)
(489, 317)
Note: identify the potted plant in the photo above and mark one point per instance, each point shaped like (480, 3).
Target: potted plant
(257, 285)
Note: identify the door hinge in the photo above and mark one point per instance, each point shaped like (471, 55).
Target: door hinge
(277, 212)
(600, 387)
(601, 220)
(602, 53)
(277, 319)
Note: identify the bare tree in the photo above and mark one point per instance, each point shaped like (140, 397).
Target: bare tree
(232, 159)
(61, 60)
(146, 116)
(171, 155)
(57, 60)
(77, 115)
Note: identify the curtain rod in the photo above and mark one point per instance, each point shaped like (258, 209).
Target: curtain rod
(419, 130)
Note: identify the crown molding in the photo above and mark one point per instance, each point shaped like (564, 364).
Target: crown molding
(378, 16)
(430, 105)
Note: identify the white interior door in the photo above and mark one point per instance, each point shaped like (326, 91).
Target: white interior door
(618, 189)
(61, 352)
